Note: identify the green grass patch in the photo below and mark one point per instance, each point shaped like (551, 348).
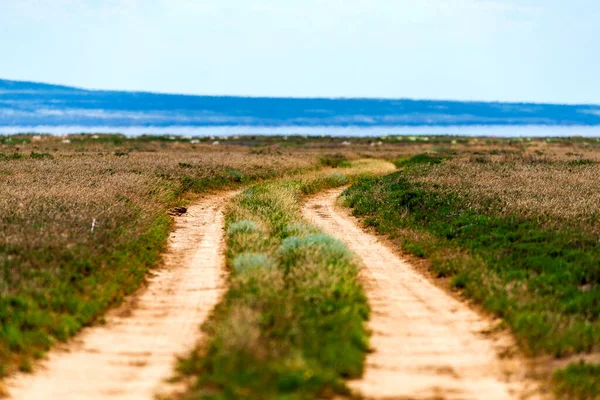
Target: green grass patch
(578, 382)
(335, 160)
(11, 156)
(418, 159)
(38, 156)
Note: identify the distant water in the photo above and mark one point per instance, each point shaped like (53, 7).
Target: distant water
(483, 130)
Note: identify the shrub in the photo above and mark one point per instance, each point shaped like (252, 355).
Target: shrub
(244, 226)
(335, 180)
(245, 262)
(35, 155)
(418, 159)
(334, 160)
(13, 156)
(578, 381)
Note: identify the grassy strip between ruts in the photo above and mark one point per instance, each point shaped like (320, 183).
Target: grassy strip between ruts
(292, 324)
(539, 272)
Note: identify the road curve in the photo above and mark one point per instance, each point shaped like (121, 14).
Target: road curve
(130, 356)
(427, 344)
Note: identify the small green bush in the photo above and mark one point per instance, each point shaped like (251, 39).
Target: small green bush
(336, 180)
(245, 262)
(418, 159)
(12, 156)
(334, 160)
(244, 226)
(581, 162)
(296, 229)
(35, 155)
(579, 381)
(235, 176)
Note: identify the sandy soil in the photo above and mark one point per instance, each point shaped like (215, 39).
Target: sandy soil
(426, 344)
(135, 351)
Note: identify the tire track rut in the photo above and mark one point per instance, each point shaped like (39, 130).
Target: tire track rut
(131, 355)
(427, 344)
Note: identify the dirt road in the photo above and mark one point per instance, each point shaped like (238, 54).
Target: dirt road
(135, 351)
(427, 345)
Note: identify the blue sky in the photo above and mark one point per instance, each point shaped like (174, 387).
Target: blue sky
(510, 50)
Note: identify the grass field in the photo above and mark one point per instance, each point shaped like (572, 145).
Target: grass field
(56, 274)
(513, 224)
(517, 229)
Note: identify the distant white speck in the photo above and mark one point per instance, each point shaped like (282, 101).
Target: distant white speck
(216, 143)
(66, 141)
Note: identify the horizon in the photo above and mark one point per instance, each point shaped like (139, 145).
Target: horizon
(241, 96)
(35, 106)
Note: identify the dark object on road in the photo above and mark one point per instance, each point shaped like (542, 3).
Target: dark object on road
(177, 211)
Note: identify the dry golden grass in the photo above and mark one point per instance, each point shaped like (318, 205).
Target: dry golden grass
(554, 186)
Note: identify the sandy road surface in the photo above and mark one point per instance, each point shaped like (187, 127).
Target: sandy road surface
(135, 351)
(427, 345)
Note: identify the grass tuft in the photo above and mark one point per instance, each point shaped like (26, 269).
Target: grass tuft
(246, 262)
(335, 160)
(418, 159)
(578, 382)
(244, 226)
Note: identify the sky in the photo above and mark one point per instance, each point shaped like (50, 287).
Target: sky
(496, 50)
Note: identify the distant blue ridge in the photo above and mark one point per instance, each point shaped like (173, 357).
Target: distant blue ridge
(38, 104)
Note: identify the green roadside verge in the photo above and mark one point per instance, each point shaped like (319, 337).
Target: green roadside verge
(292, 323)
(541, 275)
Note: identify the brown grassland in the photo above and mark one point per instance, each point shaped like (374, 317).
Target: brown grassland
(512, 223)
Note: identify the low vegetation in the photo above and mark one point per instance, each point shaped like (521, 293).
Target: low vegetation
(517, 231)
(511, 223)
(335, 160)
(291, 325)
(578, 381)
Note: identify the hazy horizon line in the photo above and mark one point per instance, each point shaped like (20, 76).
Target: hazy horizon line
(250, 96)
